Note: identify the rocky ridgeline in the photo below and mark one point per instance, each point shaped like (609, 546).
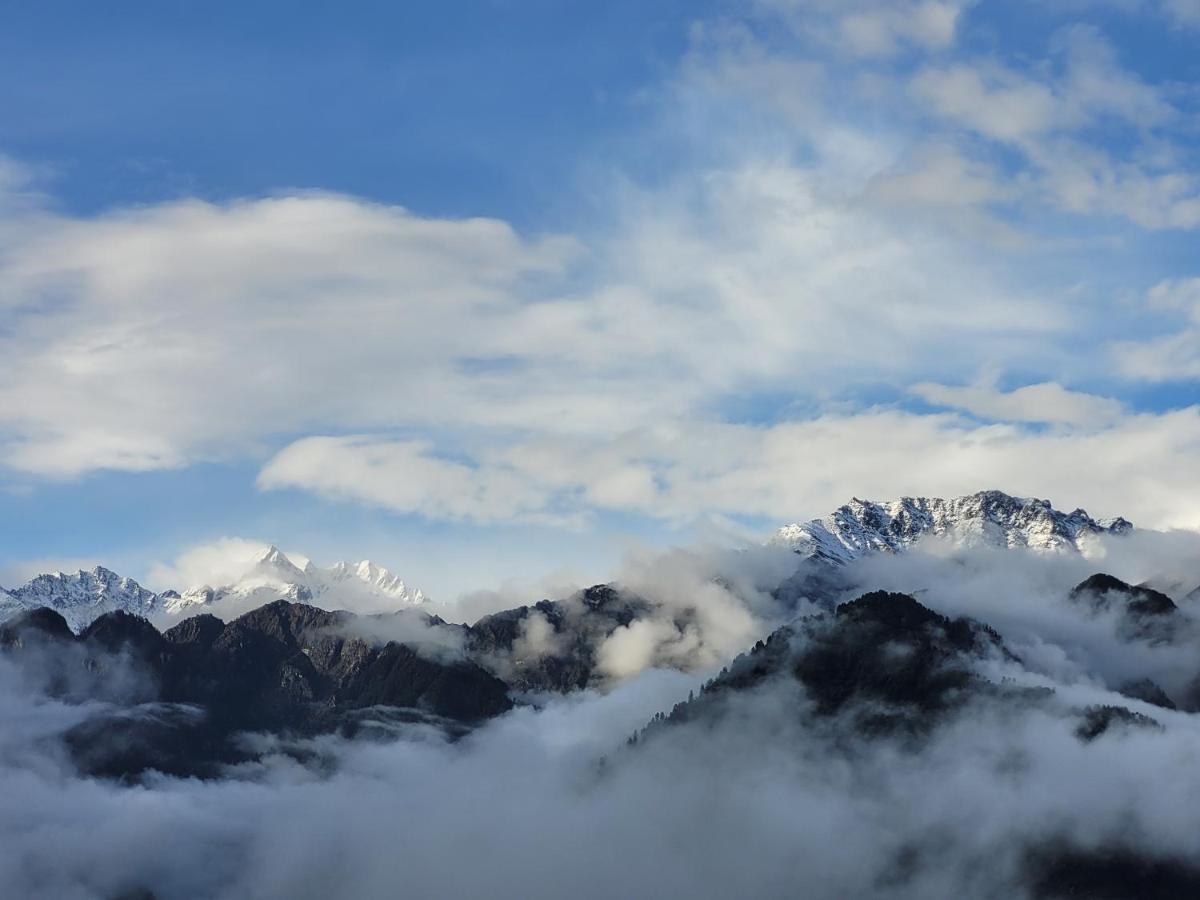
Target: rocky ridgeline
(988, 518)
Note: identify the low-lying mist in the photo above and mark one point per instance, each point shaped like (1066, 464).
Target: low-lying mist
(549, 800)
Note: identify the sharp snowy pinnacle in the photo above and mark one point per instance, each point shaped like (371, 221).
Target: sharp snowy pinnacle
(990, 518)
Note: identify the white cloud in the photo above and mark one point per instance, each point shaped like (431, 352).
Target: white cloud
(403, 476)
(1171, 356)
(994, 101)
(875, 29)
(157, 337)
(219, 562)
(149, 338)
(1045, 112)
(1019, 106)
(1047, 402)
(801, 469)
(939, 175)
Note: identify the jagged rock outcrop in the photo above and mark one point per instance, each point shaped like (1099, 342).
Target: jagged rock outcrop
(989, 518)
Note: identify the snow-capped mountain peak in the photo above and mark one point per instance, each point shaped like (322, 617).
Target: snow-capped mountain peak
(81, 597)
(377, 577)
(361, 586)
(990, 518)
(275, 565)
(258, 578)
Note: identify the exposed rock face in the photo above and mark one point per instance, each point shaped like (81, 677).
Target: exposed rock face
(990, 518)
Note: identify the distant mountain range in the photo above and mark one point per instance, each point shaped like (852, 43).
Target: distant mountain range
(988, 518)
(861, 527)
(86, 595)
(82, 597)
(361, 586)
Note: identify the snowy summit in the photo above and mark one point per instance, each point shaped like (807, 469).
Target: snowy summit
(357, 586)
(988, 518)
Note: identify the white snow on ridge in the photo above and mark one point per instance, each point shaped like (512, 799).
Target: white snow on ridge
(361, 587)
(81, 597)
(989, 518)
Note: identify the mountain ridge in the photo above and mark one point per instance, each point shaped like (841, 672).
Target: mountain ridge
(85, 595)
(987, 518)
(81, 597)
(274, 575)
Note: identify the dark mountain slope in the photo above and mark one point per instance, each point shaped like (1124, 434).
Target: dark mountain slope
(285, 667)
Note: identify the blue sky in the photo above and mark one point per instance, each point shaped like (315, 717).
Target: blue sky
(501, 290)
(458, 108)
